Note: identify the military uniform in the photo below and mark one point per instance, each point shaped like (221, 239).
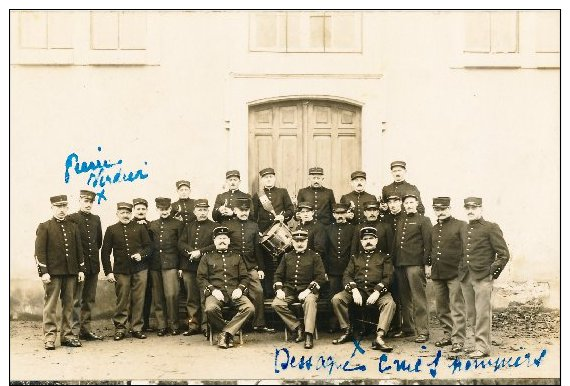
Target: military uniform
(229, 199)
(59, 252)
(91, 239)
(317, 241)
(485, 254)
(123, 241)
(183, 209)
(402, 187)
(297, 272)
(357, 199)
(281, 202)
(385, 237)
(196, 236)
(412, 248)
(321, 198)
(164, 266)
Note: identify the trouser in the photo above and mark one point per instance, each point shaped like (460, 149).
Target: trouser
(147, 300)
(309, 305)
(335, 282)
(193, 300)
(165, 296)
(450, 308)
(130, 291)
(83, 303)
(63, 285)
(216, 319)
(412, 285)
(477, 294)
(256, 296)
(271, 262)
(396, 324)
(385, 304)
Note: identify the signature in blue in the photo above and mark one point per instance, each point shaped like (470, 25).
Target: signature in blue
(101, 172)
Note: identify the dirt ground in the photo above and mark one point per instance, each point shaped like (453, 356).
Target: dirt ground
(530, 335)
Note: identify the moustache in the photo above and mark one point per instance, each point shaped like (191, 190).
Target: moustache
(368, 245)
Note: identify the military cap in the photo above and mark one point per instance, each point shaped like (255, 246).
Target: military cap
(300, 235)
(340, 207)
(371, 205)
(441, 202)
(141, 201)
(242, 203)
(409, 194)
(87, 194)
(59, 200)
(357, 174)
(393, 197)
(266, 171)
(368, 231)
(201, 203)
(473, 201)
(304, 204)
(232, 173)
(125, 205)
(182, 183)
(401, 164)
(162, 202)
(316, 171)
(220, 231)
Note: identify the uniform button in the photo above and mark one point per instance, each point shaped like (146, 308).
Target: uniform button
(467, 261)
(438, 258)
(161, 251)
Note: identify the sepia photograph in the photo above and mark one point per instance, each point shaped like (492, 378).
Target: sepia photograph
(283, 196)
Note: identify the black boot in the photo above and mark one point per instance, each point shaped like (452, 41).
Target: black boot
(379, 344)
(308, 340)
(345, 337)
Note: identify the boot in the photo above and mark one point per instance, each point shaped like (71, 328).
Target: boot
(345, 337)
(222, 340)
(379, 344)
(308, 340)
(300, 333)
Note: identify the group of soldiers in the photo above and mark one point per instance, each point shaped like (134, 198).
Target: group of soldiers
(359, 253)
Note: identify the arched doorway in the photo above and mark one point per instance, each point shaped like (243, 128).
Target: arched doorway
(295, 134)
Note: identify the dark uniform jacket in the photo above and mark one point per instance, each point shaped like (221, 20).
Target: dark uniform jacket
(322, 200)
(412, 244)
(224, 270)
(166, 233)
(485, 251)
(392, 219)
(91, 239)
(366, 271)
(298, 271)
(244, 239)
(339, 243)
(447, 248)
(316, 236)
(281, 202)
(125, 240)
(195, 236)
(184, 208)
(385, 237)
(228, 198)
(58, 248)
(399, 188)
(358, 199)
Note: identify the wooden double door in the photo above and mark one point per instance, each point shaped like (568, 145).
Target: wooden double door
(292, 136)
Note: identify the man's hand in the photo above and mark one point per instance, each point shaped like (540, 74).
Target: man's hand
(373, 297)
(326, 277)
(111, 278)
(428, 271)
(236, 294)
(142, 222)
(195, 254)
(280, 294)
(218, 295)
(81, 276)
(304, 294)
(357, 296)
(350, 215)
(261, 275)
(46, 278)
(136, 257)
(180, 273)
(280, 218)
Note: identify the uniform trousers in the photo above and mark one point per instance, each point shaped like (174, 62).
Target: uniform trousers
(335, 286)
(193, 300)
(147, 300)
(450, 308)
(165, 289)
(412, 285)
(477, 294)
(385, 304)
(216, 318)
(256, 296)
(60, 286)
(309, 305)
(130, 291)
(83, 303)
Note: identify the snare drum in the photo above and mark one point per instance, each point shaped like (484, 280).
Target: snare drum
(277, 239)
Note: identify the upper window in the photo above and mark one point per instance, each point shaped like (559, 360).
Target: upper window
(306, 32)
(492, 32)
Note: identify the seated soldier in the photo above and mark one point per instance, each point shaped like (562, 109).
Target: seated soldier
(369, 273)
(298, 278)
(223, 277)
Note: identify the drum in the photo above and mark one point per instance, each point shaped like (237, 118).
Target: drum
(277, 239)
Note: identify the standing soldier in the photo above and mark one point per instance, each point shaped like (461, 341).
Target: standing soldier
(400, 185)
(368, 274)
(298, 278)
(195, 241)
(183, 209)
(412, 253)
(383, 231)
(164, 267)
(130, 244)
(225, 202)
(59, 259)
(484, 258)
(314, 229)
(357, 198)
(446, 253)
(320, 197)
(339, 242)
(223, 278)
(91, 239)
